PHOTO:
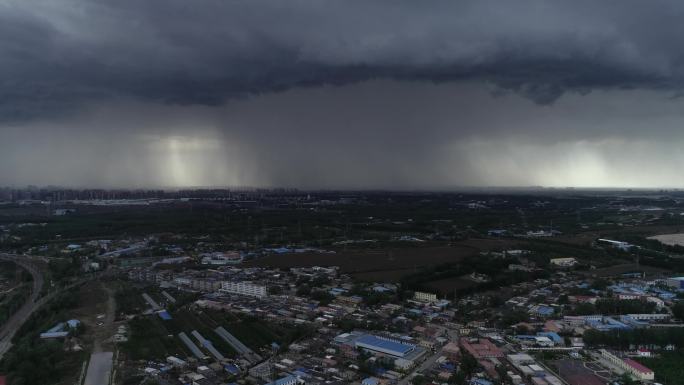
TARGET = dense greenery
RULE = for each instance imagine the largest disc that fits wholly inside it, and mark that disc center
(667, 366)
(63, 268)
(35, 361)
(269, 220)
(149, 339)
(624, 339)
(13, 302)
(129, 300)
(495, 268)
(678, 310)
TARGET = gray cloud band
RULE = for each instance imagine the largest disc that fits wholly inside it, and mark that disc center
(55, 55)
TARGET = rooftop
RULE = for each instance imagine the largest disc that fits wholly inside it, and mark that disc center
(639, 367)
(386, 345)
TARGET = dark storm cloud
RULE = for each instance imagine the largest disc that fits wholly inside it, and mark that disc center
(341, 94)
(377, 134)
(57, 54)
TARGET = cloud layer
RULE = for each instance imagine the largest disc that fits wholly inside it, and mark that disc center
(380, 134)
(56, 54)
(331, 94)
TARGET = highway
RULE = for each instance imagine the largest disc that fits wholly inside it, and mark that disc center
(9, 329)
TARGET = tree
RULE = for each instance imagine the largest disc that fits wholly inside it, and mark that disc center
(503, 375)
(600, 284)
(584, 308)
(678, 310)
(626, 379)
(275, 290)
(303, 290)
(468, 364)
(522, 329)
(322, 296)
(458, 378)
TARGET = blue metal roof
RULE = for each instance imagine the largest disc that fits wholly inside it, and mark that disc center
(230, 368)
(546, 310)
(164, 315)
(553, 336)
(383, 344)
(282, 381)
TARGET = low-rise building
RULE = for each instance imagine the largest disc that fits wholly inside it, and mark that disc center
(676, 283)
(424, 297)
(481, 348)
(636, 369)
(563, 262)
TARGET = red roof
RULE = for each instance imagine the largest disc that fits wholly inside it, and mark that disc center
(3, 380)
(637, 366)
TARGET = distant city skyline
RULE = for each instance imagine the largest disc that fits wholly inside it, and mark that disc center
(342, 95)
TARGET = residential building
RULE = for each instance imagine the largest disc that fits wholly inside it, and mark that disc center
(244, 288)
(676, 283)
(563, 262)
(481, 348)
(424, 297)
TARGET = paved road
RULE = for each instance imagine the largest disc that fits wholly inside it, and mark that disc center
(430, 361)
(99, 369)
(427, 364)
(10, 328)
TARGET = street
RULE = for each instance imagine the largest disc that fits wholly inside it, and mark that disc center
(10, 328)
(430, 361)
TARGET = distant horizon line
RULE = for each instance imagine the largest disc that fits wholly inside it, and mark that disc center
(343, 189)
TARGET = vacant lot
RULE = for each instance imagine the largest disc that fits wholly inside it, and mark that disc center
(624, 269)
(676, 239)
(575, 373)
(449, 285)
(389, 264)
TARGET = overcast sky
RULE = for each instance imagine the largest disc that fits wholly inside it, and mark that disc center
(341, 94)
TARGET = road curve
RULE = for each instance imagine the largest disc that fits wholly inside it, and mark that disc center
(9, 329)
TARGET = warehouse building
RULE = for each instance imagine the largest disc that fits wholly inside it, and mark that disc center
(402, 354)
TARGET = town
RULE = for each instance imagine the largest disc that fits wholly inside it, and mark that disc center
(269, 192)
(288, 287)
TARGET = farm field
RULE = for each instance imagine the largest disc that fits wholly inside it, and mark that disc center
(374, 264)
(448, 285)
(153, 337)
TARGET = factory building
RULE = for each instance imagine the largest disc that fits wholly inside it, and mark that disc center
(404, 355)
